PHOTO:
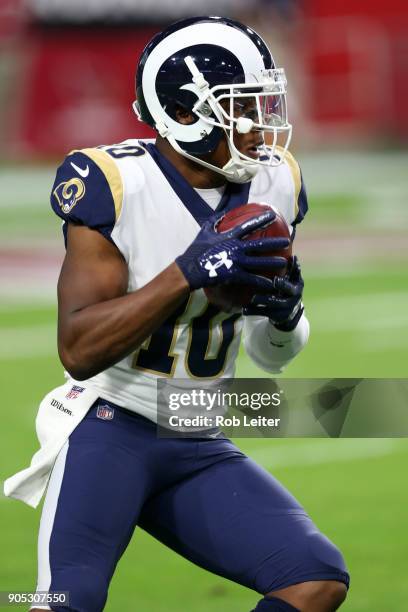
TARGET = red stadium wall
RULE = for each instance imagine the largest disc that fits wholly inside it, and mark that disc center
(73, 86)
(355, 57)
(76, 89)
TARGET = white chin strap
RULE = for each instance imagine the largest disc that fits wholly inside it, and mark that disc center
(240, 172)
(235, 170)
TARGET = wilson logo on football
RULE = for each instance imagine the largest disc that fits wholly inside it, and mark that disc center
(221, 260)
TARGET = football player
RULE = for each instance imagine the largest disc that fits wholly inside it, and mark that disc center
(139, 225)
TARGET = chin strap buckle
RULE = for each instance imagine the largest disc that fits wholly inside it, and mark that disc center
(162, 128)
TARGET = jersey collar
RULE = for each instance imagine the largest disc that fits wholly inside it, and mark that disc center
(234, 195)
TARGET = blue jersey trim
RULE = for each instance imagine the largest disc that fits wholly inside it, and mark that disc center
(235, 195)
(303, 205)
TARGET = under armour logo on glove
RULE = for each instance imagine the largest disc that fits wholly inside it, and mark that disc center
(223, 260)
(214, 258)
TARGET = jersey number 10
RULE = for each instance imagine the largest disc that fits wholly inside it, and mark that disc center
(156, 354)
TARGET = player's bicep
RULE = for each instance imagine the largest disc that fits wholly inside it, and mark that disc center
(93, 271)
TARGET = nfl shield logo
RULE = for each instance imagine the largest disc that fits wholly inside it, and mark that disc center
(74, 392)
(105, 412)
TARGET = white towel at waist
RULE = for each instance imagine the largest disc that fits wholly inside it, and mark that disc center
(59, 413)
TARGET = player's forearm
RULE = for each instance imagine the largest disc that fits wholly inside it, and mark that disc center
(270, 348)
(98, 336)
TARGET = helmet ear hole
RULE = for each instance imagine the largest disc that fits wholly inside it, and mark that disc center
(184, 116)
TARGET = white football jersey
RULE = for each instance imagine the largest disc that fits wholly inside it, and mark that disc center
(137, 199)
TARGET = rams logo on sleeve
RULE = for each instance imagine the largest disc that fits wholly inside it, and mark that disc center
(69, 193)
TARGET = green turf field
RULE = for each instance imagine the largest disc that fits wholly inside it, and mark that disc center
(354, 489)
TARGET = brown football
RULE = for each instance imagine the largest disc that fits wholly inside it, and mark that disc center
(228, 297)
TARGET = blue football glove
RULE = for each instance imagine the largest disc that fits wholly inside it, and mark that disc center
(283, 305)
(216, 258)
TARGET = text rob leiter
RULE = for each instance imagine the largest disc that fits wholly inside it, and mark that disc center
(206, 421)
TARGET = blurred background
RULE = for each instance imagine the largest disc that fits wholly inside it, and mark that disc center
(67, 81)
